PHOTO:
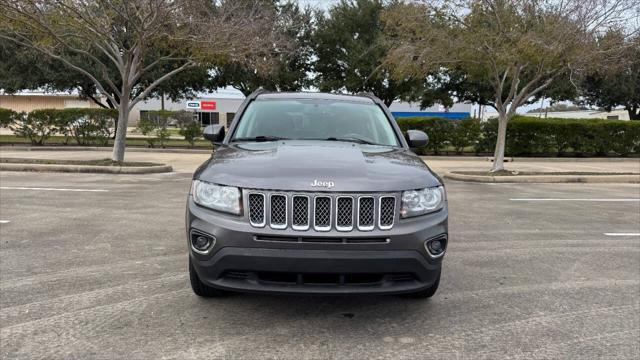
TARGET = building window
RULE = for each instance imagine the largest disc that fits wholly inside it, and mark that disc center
(230, 118)
(209, 118)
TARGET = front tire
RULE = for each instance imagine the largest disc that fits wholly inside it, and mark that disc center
(426, 293)
(200, 288)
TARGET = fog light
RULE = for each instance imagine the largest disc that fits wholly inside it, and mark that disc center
(202, 243)
(436, 247)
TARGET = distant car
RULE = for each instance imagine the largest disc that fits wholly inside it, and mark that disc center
(313, 193)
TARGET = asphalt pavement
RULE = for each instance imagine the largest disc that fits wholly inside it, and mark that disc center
(95, 267)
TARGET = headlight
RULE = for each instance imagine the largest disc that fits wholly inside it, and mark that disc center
(216, 197)
(420, 202)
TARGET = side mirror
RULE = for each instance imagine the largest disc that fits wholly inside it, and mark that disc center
(214, 133)
(416, 138)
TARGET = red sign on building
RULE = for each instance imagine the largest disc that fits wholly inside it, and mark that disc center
(207, 105)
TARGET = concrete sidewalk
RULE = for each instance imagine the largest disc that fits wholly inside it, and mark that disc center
(189, 162)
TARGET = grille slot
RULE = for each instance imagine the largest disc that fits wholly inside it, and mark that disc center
(278, 218)
(387, 212)
(366, 209)
(344, 213)
(256, 210)
(301, 211)
(322, 213)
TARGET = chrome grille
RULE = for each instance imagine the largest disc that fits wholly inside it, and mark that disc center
(278, 218)
(321, 212)
(256, 210)
(366, 214)
(387, 212)
(301, 211)
(344, 213)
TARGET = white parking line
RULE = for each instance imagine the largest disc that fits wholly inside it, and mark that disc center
(560, 199)
(622, 234)
(50, 189)
(4, 221)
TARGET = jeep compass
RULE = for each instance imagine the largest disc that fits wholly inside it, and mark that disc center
(314, 193)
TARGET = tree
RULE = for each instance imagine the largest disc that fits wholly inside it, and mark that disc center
(112, 42)
(617, 83)
(509, 50)
(351, 53)
(290, 70)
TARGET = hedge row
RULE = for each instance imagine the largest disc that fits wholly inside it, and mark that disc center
(530, 136)
(85, 126)
(94, 126)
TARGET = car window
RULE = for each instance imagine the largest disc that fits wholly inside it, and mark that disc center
(313, 119)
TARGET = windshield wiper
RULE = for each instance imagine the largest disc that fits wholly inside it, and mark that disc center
(351, 139)
(260, 138)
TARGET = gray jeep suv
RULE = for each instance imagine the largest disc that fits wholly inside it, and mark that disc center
(314, 193)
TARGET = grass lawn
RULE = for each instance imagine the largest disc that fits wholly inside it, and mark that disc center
(100, 162)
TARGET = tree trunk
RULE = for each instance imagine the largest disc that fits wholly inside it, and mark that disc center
(634, 114)
(121, 131)
(498, 155)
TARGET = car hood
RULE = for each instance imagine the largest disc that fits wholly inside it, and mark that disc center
(295, 165)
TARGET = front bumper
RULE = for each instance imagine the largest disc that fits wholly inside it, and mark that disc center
(242, 261)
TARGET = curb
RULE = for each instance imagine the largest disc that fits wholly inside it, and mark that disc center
(103, 148)
(626, 179)
(87, 168)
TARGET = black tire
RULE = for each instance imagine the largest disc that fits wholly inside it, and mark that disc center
(200, 288)
(426, 293)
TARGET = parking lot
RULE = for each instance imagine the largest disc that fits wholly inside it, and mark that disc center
(95, 266)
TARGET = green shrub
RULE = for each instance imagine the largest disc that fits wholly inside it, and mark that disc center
(464, 133)
(37, 125)
(91, 126)
(154, 124)
(189, 127)
(439, 130)
(7, 117)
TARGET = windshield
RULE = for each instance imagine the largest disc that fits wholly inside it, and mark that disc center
(315, 119)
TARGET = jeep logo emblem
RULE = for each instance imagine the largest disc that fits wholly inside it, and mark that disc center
(324, 184)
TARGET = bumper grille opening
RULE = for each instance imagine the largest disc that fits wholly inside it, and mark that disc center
(363, 278)
(289, 278)
(278, 277)
(320, 240)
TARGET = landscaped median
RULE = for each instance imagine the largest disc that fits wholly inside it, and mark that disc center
(102, 166)
(543, 177)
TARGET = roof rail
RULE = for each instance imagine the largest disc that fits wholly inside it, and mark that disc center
(257, 92)
(369, 95)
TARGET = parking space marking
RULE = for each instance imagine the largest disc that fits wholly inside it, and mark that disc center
(622, 234)
(560, 199)
(50, 189)
(4, 221)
